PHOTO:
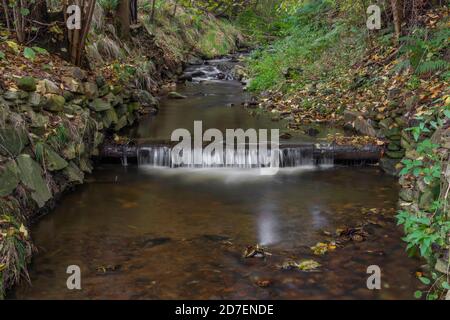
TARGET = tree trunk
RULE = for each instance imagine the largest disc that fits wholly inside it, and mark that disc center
(6, 12)
(123, 14)
(77, 37)
(134, 11)
(397, 15)
(19, 21)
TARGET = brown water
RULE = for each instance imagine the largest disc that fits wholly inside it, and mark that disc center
(148, 233)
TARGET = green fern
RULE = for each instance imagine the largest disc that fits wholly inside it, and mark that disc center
(432, 66)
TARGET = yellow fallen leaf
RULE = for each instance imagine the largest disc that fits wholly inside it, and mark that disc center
(23, 231)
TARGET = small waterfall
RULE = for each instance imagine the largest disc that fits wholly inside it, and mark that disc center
(245, 158)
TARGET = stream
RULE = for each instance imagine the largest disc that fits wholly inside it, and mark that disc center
(151, 232)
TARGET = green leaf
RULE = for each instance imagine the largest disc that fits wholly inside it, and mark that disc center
(418, 294)
(24, 11)
(447, 113)
(2, 55)
(425, 281)
(29, 54)
(445, 285)
(40, 50)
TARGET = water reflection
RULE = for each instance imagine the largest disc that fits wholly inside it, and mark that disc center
(267, 222)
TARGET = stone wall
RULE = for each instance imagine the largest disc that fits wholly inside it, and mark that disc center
(48, 135)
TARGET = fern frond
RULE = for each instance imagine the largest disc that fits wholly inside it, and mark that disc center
(432, 65)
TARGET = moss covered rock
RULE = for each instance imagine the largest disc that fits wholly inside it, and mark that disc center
(9, 178)
(30, 174)
(12, 141)
(73, 173)
(55, 103)
(110, 118)
(90, 90)
(27, 84)
(54, 161)
(99, 105)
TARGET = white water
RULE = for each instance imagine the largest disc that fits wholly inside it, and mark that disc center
(163, 157)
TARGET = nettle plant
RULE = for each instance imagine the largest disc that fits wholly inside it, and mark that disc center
(428, 231)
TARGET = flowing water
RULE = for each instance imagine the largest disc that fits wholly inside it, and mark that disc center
(155, 232)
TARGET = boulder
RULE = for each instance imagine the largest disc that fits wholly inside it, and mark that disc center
(407, 194)
(30, 174)
(364, 127)
(12, 141)
(55, 103)
(39, 122)
(11, 95)
(90, 90)
(73, 173)
(99, 105)
(35, 100)
(86, 165)
(70, 151)
(113, 99)
(46, 86)
(72, 85)
(53, 161)
(77, 73)
(146, 99)
(9, 178)
(27, 84)
(109, 118)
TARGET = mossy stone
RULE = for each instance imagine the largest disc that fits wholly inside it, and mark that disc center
(109, 118)
(54, 161)
(9, 178)
(73, 173)
(27, 84)
(55, 103)
(395, 154)
(35, 100)
(12, 141)
(90, 90)
(99, 105)
(30, 174)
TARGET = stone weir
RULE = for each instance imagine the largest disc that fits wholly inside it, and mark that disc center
(159, 154)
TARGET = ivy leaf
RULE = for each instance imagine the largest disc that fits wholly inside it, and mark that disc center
(418, 294)
(445, 285)
(447, 113)
(425, 281)
(40, 50)
(29, 54)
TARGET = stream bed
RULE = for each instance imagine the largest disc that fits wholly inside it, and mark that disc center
(143, 232)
